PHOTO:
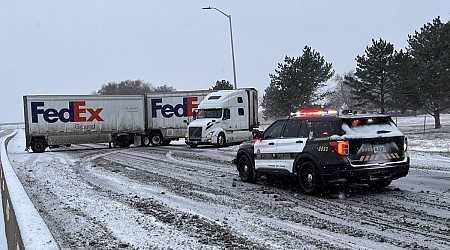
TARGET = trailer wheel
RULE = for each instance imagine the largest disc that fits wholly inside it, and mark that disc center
(38, 145)
(156, 140)
(146, 141)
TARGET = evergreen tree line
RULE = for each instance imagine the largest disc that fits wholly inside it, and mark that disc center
(385, 80)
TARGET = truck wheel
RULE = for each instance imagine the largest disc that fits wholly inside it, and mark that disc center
(156, 140)
(38, 145)
(145, 141)
(309, 178)
(193, 145)
(221, 141)
(245, 168)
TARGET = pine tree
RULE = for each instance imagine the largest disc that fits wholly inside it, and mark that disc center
(295, 83)
(405, 94)
(222, 85)
(372, 83)
(430, 51)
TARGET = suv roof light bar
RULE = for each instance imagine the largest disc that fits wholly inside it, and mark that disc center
(314, 112)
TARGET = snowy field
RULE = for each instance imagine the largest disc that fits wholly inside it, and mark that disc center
(174, 197)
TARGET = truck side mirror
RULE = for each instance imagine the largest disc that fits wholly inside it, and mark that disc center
(195, 114)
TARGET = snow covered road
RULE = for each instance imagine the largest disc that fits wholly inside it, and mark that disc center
(179, 198)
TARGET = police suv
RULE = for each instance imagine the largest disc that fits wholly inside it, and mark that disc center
(319, 148)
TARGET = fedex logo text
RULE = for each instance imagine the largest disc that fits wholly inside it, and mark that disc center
(74, 113)
(179, 110)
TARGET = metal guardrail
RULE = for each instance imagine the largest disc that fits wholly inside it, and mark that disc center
(25, 228)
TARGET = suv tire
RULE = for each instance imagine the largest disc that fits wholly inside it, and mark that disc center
(309, 178)
(245, 168)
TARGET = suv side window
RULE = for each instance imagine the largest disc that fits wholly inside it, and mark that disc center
(293, 129)
(274, 131)
(322, 129)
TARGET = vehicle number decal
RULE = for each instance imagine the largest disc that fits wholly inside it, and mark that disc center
(379, 149)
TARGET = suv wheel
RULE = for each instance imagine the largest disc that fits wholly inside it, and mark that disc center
(245, 168)
(308, 178)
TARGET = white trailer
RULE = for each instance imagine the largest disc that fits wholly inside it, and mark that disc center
(168, 115)
(226, 116)
(54, 120)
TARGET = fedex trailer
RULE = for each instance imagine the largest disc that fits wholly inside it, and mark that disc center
(52, 120)
(168, 115)
(226, 116)
(63, 120)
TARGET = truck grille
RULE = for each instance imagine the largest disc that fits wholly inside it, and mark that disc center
(195, 133)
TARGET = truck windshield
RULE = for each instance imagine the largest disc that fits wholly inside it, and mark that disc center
(209, 113)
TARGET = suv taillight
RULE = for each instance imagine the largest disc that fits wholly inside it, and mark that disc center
(341, 147)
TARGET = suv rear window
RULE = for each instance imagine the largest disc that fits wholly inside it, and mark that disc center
(370, 126)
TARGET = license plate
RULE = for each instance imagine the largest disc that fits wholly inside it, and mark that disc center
(379, 149)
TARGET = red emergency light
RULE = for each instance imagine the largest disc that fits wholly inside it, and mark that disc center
(314, 112)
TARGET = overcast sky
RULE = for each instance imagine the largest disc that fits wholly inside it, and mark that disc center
(73, 47)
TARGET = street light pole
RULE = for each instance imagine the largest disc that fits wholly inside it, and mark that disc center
(232, 44)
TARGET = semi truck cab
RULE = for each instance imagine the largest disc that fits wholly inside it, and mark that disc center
(223, 117)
